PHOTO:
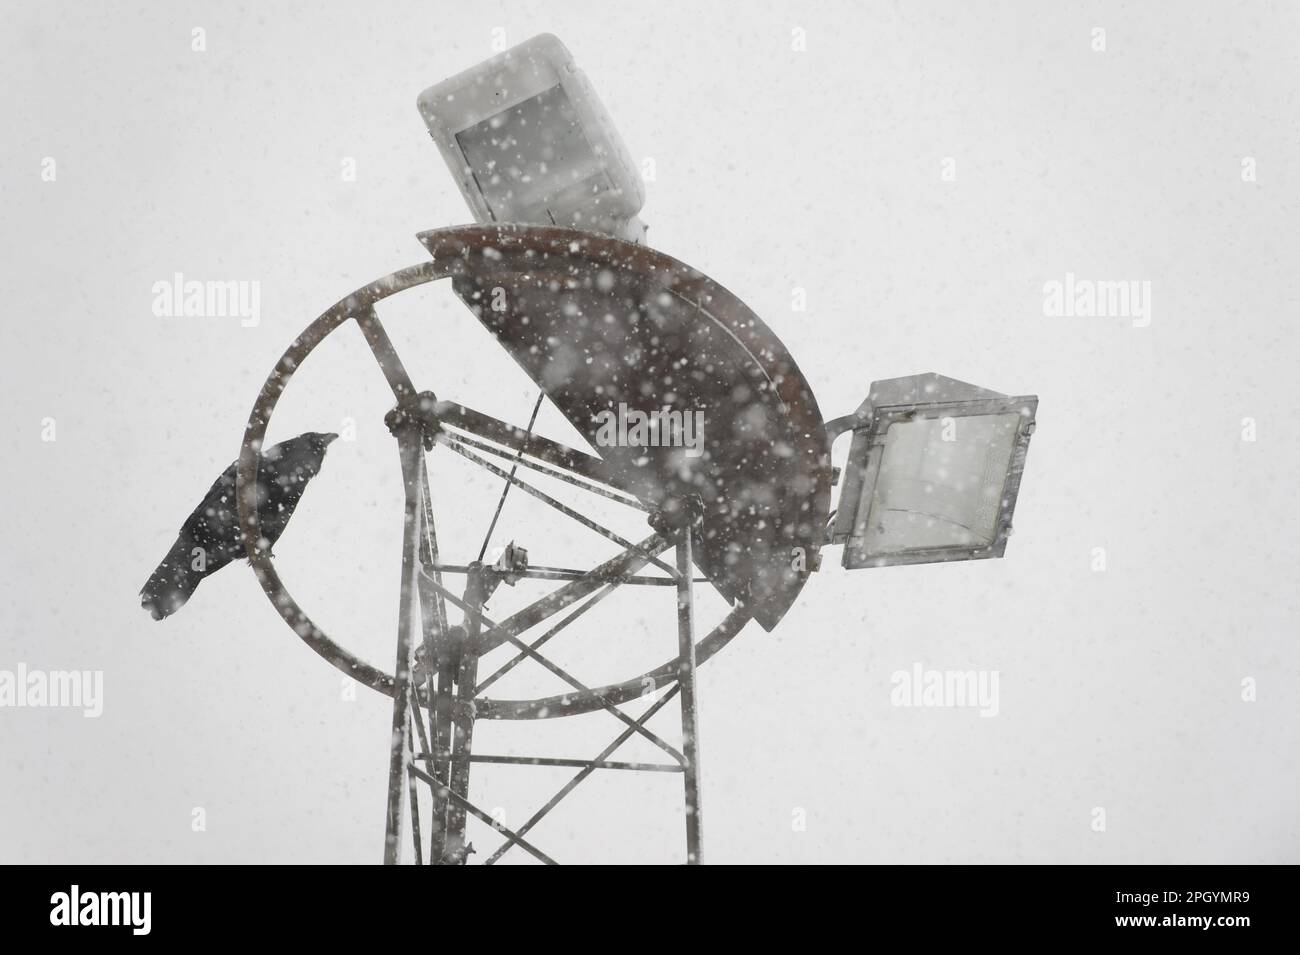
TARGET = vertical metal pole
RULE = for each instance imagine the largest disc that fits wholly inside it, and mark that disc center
(410, 447)
(690, 718)
(462, 718)
(413, 795)
(434, 614)
(442, 764)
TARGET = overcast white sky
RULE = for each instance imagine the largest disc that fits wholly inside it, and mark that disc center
(775, 169)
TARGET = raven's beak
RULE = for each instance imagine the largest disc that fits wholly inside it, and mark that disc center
(330, 437)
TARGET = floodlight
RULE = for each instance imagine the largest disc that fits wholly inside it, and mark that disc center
(529, 142)
(933, 472)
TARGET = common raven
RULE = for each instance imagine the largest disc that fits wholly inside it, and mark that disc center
(211, 537)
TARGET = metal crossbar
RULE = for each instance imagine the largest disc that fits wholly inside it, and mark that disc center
(567, 573)
(583, 774)
(473, 810)
(570, 593)
(563, 675)
(562, 761)
(564, 509)
(550, 470)
(520, 657)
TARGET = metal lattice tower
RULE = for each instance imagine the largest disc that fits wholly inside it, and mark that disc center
(716, 357)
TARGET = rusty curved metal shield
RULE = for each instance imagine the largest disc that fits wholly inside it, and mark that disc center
(619, 336)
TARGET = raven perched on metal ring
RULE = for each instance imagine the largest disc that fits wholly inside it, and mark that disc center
(211, 537)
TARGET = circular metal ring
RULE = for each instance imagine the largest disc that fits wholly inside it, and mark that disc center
(451, 250)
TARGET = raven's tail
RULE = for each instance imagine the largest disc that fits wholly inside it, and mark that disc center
(172, 583)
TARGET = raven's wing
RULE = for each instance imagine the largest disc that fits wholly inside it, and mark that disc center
(207, 541)
(211, 536)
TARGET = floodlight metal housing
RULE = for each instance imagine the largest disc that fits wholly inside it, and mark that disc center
(933, 472)
(529, 142)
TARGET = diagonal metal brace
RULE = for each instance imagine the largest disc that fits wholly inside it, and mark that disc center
(473, 810)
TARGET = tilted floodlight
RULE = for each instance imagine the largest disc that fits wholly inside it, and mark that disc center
(933, 472)
(529, 142)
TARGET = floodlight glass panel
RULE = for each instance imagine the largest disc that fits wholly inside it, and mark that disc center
(533, 162)
(940, 483)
